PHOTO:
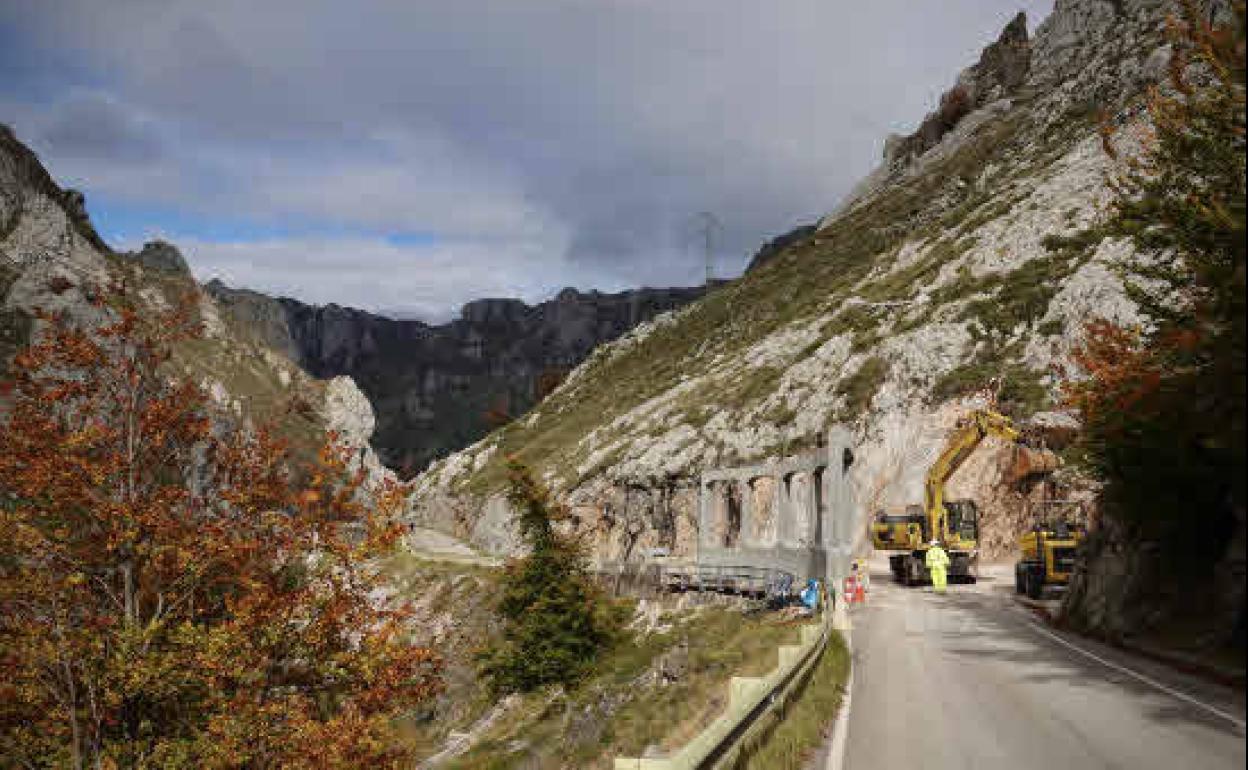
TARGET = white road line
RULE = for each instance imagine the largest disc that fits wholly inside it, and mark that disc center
(1146, 680)
(836, 753)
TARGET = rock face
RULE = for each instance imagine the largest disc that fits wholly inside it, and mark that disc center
(163, 257)
(434, 388)
(1000, 72)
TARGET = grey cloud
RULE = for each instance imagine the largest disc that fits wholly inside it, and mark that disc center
(90, 125)
(595, 128)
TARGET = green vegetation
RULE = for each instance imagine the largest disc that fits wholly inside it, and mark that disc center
(555, 621)
(10, 223)
(806, 719)
(1019, 394)
(15, 326)
(1022, 296)
(859, 388)
(754, 386)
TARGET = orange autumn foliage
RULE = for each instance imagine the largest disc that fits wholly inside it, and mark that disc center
(172, 594)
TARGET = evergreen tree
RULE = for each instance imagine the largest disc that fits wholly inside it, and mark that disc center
(556, 621)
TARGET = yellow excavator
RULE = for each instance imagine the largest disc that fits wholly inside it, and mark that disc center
(1047, 550)
(955, 523)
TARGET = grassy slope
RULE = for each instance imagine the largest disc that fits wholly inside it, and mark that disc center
(620, 710)
(247, 370)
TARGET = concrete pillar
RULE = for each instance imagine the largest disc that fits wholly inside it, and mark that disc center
(786, 511)
(706, 534)
(841, 503)
(722, 511)
(765, 510)
(745, 538)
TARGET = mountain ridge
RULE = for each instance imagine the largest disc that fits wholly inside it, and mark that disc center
(435, 387)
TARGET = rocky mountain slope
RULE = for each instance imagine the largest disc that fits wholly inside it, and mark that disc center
(51, 258)
(956, 270)
(436, 388)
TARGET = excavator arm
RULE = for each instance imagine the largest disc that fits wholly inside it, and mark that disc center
(955, 523)
(968, 436)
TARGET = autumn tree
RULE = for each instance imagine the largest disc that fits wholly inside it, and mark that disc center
(556, 621)
(1163, 406)
(172, 593)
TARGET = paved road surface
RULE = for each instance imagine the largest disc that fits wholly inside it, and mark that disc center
(968, 681)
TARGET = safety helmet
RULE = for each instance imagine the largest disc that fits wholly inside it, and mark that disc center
(935, 542)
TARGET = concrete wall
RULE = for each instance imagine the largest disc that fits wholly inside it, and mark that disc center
(795, 513)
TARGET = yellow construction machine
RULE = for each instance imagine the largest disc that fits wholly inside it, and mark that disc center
(898, 529)
(1048, 549)
(955, 523)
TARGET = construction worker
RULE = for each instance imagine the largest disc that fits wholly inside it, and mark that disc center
(937, 563)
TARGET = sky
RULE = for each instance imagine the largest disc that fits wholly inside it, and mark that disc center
(407, 156)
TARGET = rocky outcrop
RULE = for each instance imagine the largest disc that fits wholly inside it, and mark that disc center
(1086, 57)
(50, 256)
(999, 73)
(161, 256)
(1127, 589)
(436, 389)
(777, 245)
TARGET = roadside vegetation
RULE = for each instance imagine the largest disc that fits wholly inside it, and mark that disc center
(556, 622)
(175, 592)
(807, 721)
(1163, 406)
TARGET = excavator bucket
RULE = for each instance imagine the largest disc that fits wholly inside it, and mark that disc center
(1026, 461)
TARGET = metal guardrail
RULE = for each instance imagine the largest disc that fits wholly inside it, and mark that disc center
(759, 582)
(754, 705)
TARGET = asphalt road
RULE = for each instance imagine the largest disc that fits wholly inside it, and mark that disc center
(970, 680)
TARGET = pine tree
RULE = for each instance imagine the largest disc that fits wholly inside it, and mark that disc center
(556, 621)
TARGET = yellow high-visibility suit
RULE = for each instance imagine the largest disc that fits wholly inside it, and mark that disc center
(937, 563)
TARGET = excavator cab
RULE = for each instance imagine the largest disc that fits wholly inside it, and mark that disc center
(962, 521)
(955, 523)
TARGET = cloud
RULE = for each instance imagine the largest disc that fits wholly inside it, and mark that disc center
(596, 128)
(91, 125)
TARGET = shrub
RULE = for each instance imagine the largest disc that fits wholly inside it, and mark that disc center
(859, 388)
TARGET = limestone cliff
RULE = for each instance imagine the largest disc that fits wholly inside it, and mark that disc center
(434, 387)
(943, 282)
